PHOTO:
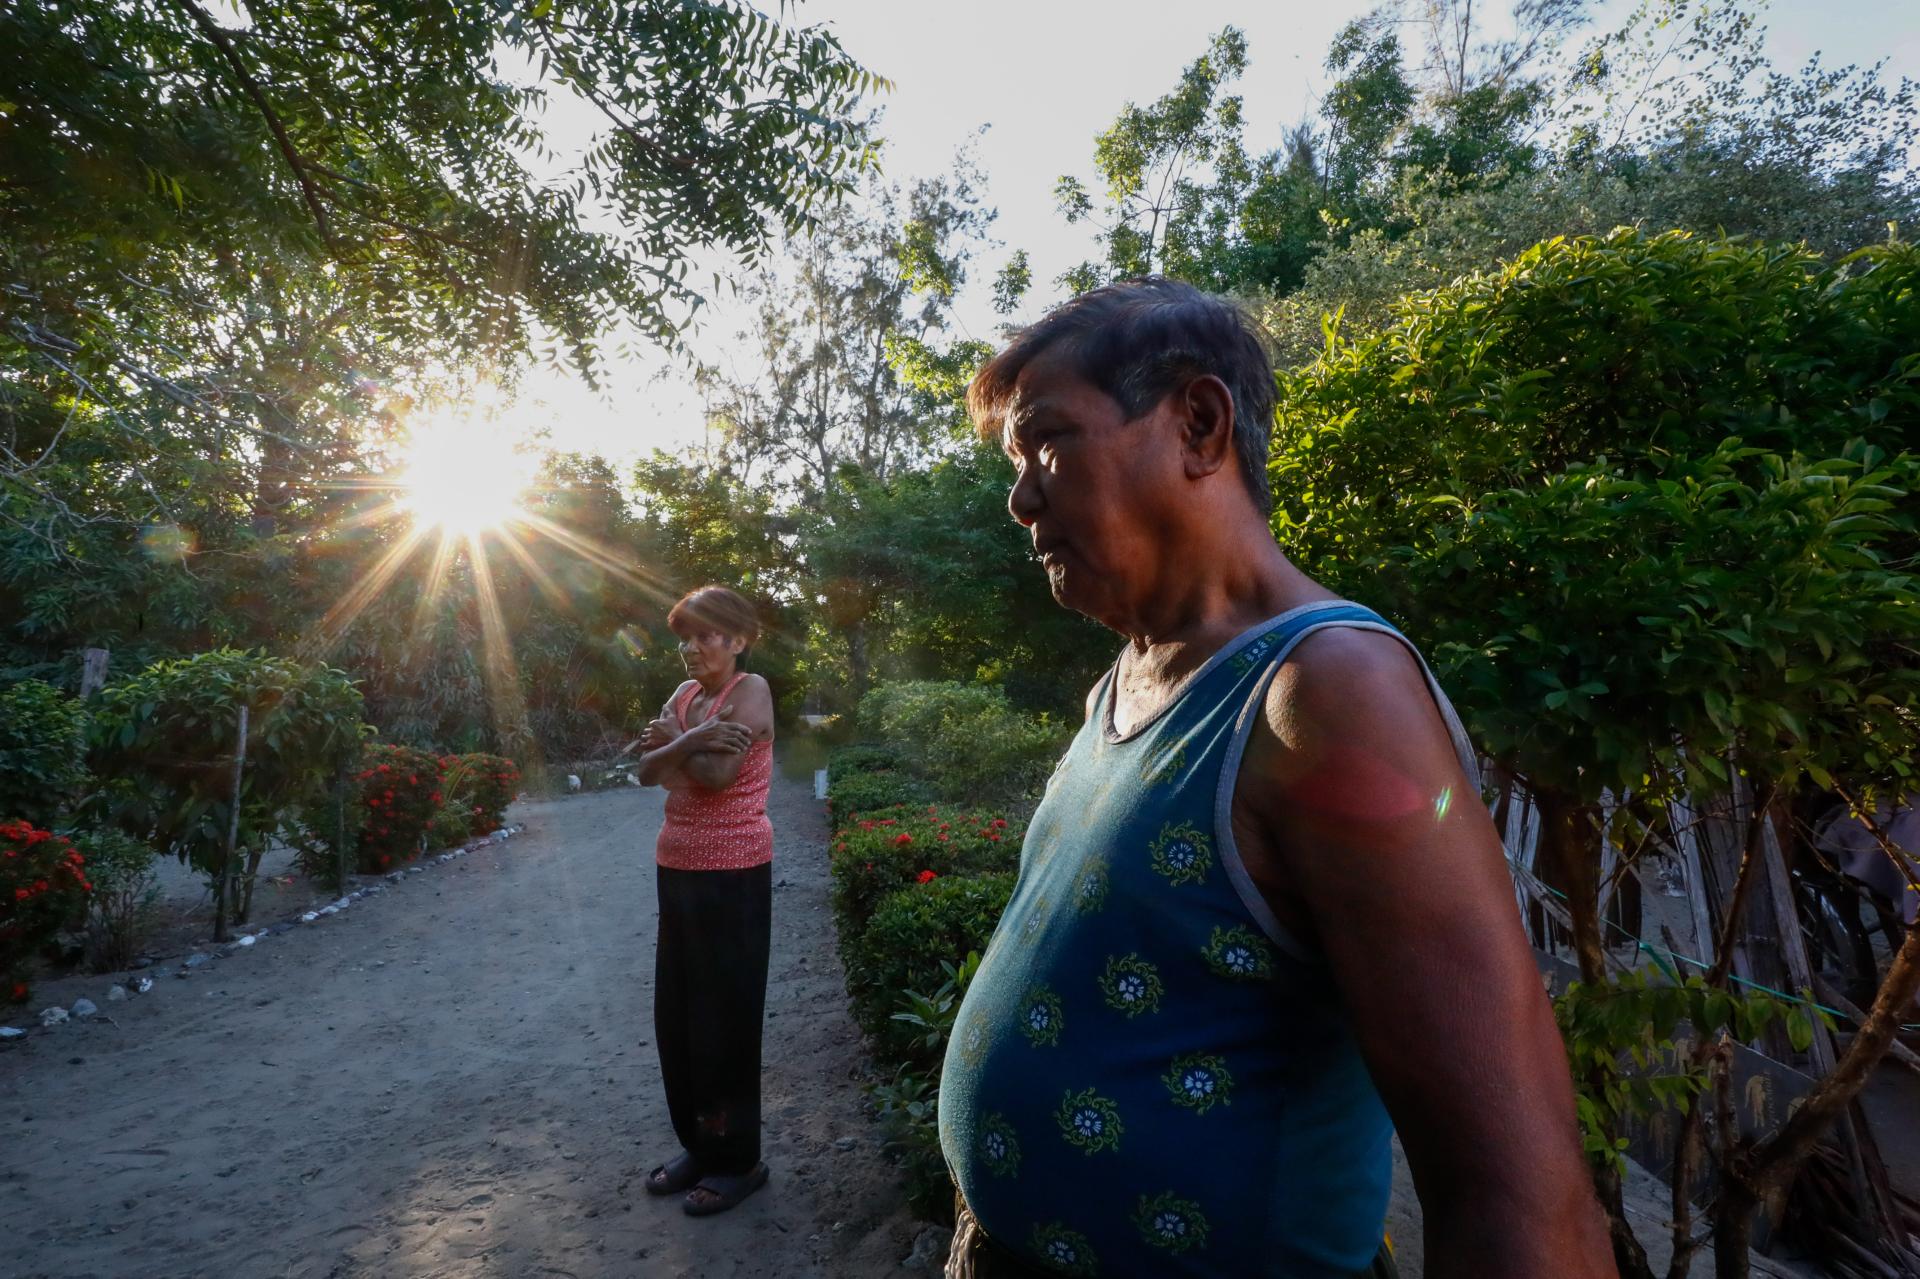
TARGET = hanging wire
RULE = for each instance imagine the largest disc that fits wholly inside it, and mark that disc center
(1660, 955)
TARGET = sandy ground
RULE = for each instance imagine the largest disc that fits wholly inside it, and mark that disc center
(453, 1078)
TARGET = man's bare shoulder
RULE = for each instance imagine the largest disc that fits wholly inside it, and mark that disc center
(1349, 725)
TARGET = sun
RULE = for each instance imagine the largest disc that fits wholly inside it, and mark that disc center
(463, 475)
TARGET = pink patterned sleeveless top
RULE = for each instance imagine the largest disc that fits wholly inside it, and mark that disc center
(724, 829)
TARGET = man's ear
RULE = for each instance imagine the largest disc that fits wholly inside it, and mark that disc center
(1206, 408)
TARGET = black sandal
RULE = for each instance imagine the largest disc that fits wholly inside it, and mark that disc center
(727, 1191)
(677, 1174)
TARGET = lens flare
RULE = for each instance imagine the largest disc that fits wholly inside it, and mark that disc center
(463, 475)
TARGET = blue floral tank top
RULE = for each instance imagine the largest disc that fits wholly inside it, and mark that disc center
(1149, 1076)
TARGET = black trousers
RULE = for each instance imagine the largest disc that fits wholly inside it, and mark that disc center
(709, 995)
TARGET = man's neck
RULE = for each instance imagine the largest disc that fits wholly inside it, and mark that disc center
(1206, 597)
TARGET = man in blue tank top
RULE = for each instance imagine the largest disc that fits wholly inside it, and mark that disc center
(1262, 919)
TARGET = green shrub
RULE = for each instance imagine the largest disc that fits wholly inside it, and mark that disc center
(43, 889)
(453, 825)
(400, 792)
(967, 740)
(43, 751)
(878, 853)
(485, 785)
(166, 738)
(863, 757)
(859, 793)
(313, 834)
(913, 932)
(120, 910)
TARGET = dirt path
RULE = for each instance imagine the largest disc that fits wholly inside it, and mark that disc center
(453, 1078)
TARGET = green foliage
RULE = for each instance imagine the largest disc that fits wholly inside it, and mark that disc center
(883, 850)
(914, 931)
(43, 751)
(453, 824)
(482, 784)
(907, 1105)
(43, 889)
(945, 584)
(166, 739)
(400, 792)
(965, 739)
(1633, 1042)
(862, 757)
(851, 795)
(1633, 496)
(125, 889)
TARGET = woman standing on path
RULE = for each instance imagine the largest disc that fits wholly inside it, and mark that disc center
(712, 748)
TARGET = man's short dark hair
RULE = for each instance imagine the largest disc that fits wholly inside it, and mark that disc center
(1138, 341)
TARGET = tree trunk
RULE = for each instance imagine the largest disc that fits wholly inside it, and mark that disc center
(245, 912)
(1773, 1164)
(1733, 1230)
(223, 888)
(1569, 844)
(858, 666)
(1629, 1258)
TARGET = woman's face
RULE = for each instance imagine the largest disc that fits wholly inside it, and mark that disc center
(710, 652)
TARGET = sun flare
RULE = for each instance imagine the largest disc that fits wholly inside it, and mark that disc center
(463, 475)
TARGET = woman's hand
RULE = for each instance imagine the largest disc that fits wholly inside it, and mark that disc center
(659, 733)
(720, 734)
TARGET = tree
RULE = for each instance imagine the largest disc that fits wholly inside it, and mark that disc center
(946, 584)
(821, 395)
(1650, 513)
(243, 244)
(1692, 130)
(209, 757)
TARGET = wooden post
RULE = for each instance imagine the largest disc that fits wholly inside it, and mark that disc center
(93, 671)
(224, 895)
(340, 850)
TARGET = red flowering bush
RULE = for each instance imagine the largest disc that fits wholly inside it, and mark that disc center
(398, 791)
(875, 853)
(43, 888)
(485, 783)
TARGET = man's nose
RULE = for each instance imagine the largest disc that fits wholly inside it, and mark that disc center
(1024, 502)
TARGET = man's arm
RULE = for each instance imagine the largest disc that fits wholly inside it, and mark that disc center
(1379, 845)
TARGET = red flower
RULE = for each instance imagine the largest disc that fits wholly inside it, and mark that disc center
(999, 823)
(946, 839)
(888, 822)
(866, 825)
(945, 826)
(994, 838)
(840, 847)
(436, 797)
(927, 877)
(869, 865)
(383, 769)
(902, 840)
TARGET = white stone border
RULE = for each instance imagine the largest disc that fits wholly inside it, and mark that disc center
(143, 979)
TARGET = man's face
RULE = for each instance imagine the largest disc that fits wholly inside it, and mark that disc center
(1090, 487)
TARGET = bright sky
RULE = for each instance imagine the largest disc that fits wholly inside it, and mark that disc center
(1045, 76)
